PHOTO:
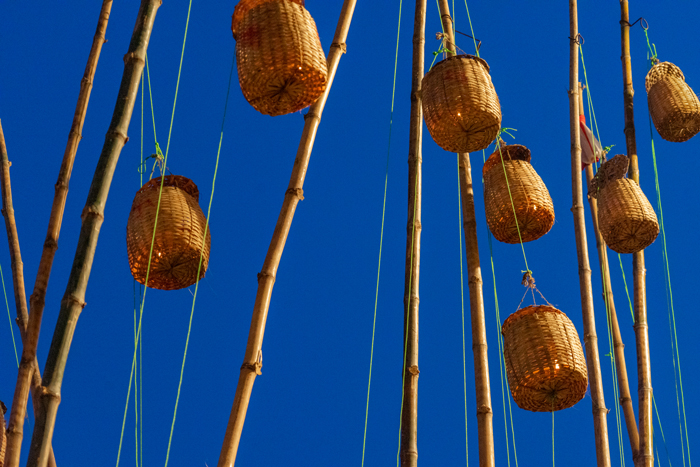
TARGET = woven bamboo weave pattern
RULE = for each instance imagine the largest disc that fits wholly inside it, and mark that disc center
(179, 234)
(3, 436)
(544, 359)
(674, 107)
(281, 64)
(628, 223)
(533, 205)
(460, 104)
(246, 5)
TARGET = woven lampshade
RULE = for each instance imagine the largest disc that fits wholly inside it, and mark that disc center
(281, 64)
(178, 238)
(460, 104)
(626, 219)
(544, 359)
(674, 107)
(533, 205)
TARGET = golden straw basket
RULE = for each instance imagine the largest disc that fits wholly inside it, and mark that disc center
(533, 205)
(178, 238)
(544, 359)
(674, 107)
(460, 104)
(281, 64)
(626, 219)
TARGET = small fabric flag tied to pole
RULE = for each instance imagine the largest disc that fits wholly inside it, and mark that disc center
(591, 150)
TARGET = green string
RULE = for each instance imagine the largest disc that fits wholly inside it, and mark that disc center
(552, 433)
(627, 290)
(501, 357)
(12, 331)
(472, 28)
(663, 438)
(381, 234)
(652, 56)
(672, 313)
(461, 286)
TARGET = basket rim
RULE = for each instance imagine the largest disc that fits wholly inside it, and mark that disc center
(177, 181)
(463, 57)
(659, 71)
(239, 13)
(511, 152)
(527, 311)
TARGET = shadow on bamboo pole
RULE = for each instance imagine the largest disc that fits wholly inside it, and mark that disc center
(252, 361)
(409, 411)
(619, 348)
(92, 217)
(600, 423)
(33, 377)
(484, 412)
(28, 373)
(641, 327)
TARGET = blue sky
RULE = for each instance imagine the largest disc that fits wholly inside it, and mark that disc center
(308, 407)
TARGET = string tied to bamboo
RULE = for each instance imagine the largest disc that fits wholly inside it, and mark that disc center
(178, 236)
(544, 358)
(627, 220)
(281, 64)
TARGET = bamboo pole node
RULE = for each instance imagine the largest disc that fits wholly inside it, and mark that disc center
(413, 369)
(263, 275)
(340, 45)
(298, 192)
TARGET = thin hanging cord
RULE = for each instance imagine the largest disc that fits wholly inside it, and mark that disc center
(381, 234)
(471, 27)
(201, 257)
(627, 290)
(661, 430)
(461, 287)
(672, 314)
(552, 434)
(12, 331)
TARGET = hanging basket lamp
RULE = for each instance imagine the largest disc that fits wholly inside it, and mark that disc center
(508, 175)
(674, 107)
(460, 104)
(178, 237)
(281, 64)
(544, 359)
(626, 219)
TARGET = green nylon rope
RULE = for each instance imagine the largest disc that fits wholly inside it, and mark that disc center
(381, 234)
(471, 27)
(672, 314)
(461, 286)
(663, 438)
(12, 331)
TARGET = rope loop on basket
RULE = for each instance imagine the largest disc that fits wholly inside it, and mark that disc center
(652, 56)
(529, 282)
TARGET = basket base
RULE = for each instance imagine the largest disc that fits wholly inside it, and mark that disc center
(552, 394)
(632, 236)
(679, 127)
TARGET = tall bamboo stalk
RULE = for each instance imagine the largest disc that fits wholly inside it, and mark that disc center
(28, 365)
(252, 361)
(14, 431)
(619, 348)
(600, 423)
(484, 412)
(409, 411)
(92, 217)
(645, 455)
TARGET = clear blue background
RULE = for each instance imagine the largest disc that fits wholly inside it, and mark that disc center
(308, 407)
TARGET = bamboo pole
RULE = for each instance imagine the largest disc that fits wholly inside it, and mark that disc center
(28, 373)
(93, 215)
(619, 348)
(484, 412)
(409, 411)
(14, 431)
(645, 455)
(252, 361)
(600, 423)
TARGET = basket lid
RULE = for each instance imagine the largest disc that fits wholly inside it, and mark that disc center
(178, 181)
(613, 169)
(512, 152)
(528, 311)
(246, 5)
(661, 71)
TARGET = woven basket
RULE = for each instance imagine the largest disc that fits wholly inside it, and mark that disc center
(281, 64)
(544, 359)
(179, 234)
(460, 104)
(674, 107)
(533, 205)
(626, 219)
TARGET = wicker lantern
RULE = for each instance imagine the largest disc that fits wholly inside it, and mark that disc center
(531, 201)
(544, 359)
(178, 237)
(460, 104)
(281, 64)
(674, 107)
(627, 221)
